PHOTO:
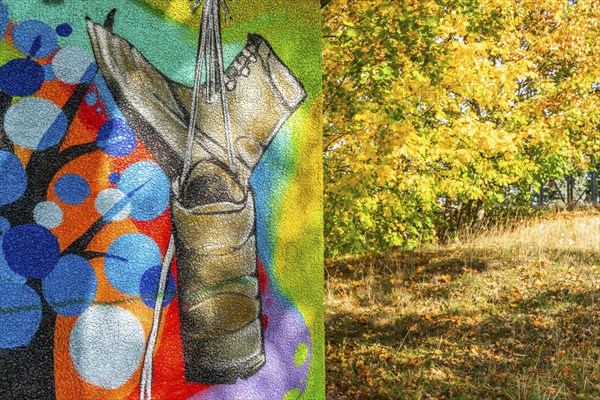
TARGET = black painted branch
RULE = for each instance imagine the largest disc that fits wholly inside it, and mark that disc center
(41, 160)
(89, 255)
(73, 152)
(43, 166)
(72, 105)
(80, 244)
(5, 143)
(30, 369)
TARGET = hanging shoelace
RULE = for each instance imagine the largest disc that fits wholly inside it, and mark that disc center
(210, 64)
(209, 61)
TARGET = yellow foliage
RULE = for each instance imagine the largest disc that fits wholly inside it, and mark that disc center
(433, 107)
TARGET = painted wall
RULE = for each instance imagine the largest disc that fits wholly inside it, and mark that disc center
(94, 117)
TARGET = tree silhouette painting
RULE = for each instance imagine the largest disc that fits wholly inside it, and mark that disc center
(58, 191)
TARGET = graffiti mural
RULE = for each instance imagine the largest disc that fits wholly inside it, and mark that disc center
(160, 200)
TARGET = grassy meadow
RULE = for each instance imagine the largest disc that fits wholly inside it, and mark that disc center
(504, 314)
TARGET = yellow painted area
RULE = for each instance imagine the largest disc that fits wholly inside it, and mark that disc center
(298, 257)
(242, 11)
(176, 10)
(8, 52)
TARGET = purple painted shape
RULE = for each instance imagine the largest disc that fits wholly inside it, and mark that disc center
(285, 331)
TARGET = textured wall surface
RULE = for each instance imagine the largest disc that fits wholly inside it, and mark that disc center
(105, 199)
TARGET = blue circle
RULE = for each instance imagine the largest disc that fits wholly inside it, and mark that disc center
(45, 130)
(116, 138)
(64, 30)
(71, 287)
(148, 188)
(30, 250)
(4, 226)
(21, 77)
(4, 19)
(91, 98)
(149, 287)
(114, 178)
(49, 74)
(7, 275)
(127, 259)
(13, 178)
(20, 315)
(35, 39)
(72, 189)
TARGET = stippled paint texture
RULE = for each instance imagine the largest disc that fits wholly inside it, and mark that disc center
(160, 200)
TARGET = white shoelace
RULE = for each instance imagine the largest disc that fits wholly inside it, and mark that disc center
(209, 60)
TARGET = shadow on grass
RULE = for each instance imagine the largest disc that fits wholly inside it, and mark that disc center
(520, 320)
(421, 265)
(549, 338)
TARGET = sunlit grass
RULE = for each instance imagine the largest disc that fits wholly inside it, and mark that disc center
(507, 314)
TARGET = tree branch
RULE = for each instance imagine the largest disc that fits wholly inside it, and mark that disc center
(73, 152)
(5, 142)
(80, 244)
(89, 255)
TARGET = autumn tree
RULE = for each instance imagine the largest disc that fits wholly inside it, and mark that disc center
(436, 111)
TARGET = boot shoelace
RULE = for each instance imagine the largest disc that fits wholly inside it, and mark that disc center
(209, 60)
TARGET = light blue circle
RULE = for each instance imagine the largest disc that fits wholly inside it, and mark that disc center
(127, 259)
(48, 214)
(71, 287)
(106, 345)
(4, 19)
(13, 179)
(20, 315)
(113, 205)
(35, 39)
(45, 130)
(148, 188)
(72, 64)
(72, 189)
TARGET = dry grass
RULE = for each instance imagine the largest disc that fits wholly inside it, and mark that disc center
(503, 315)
